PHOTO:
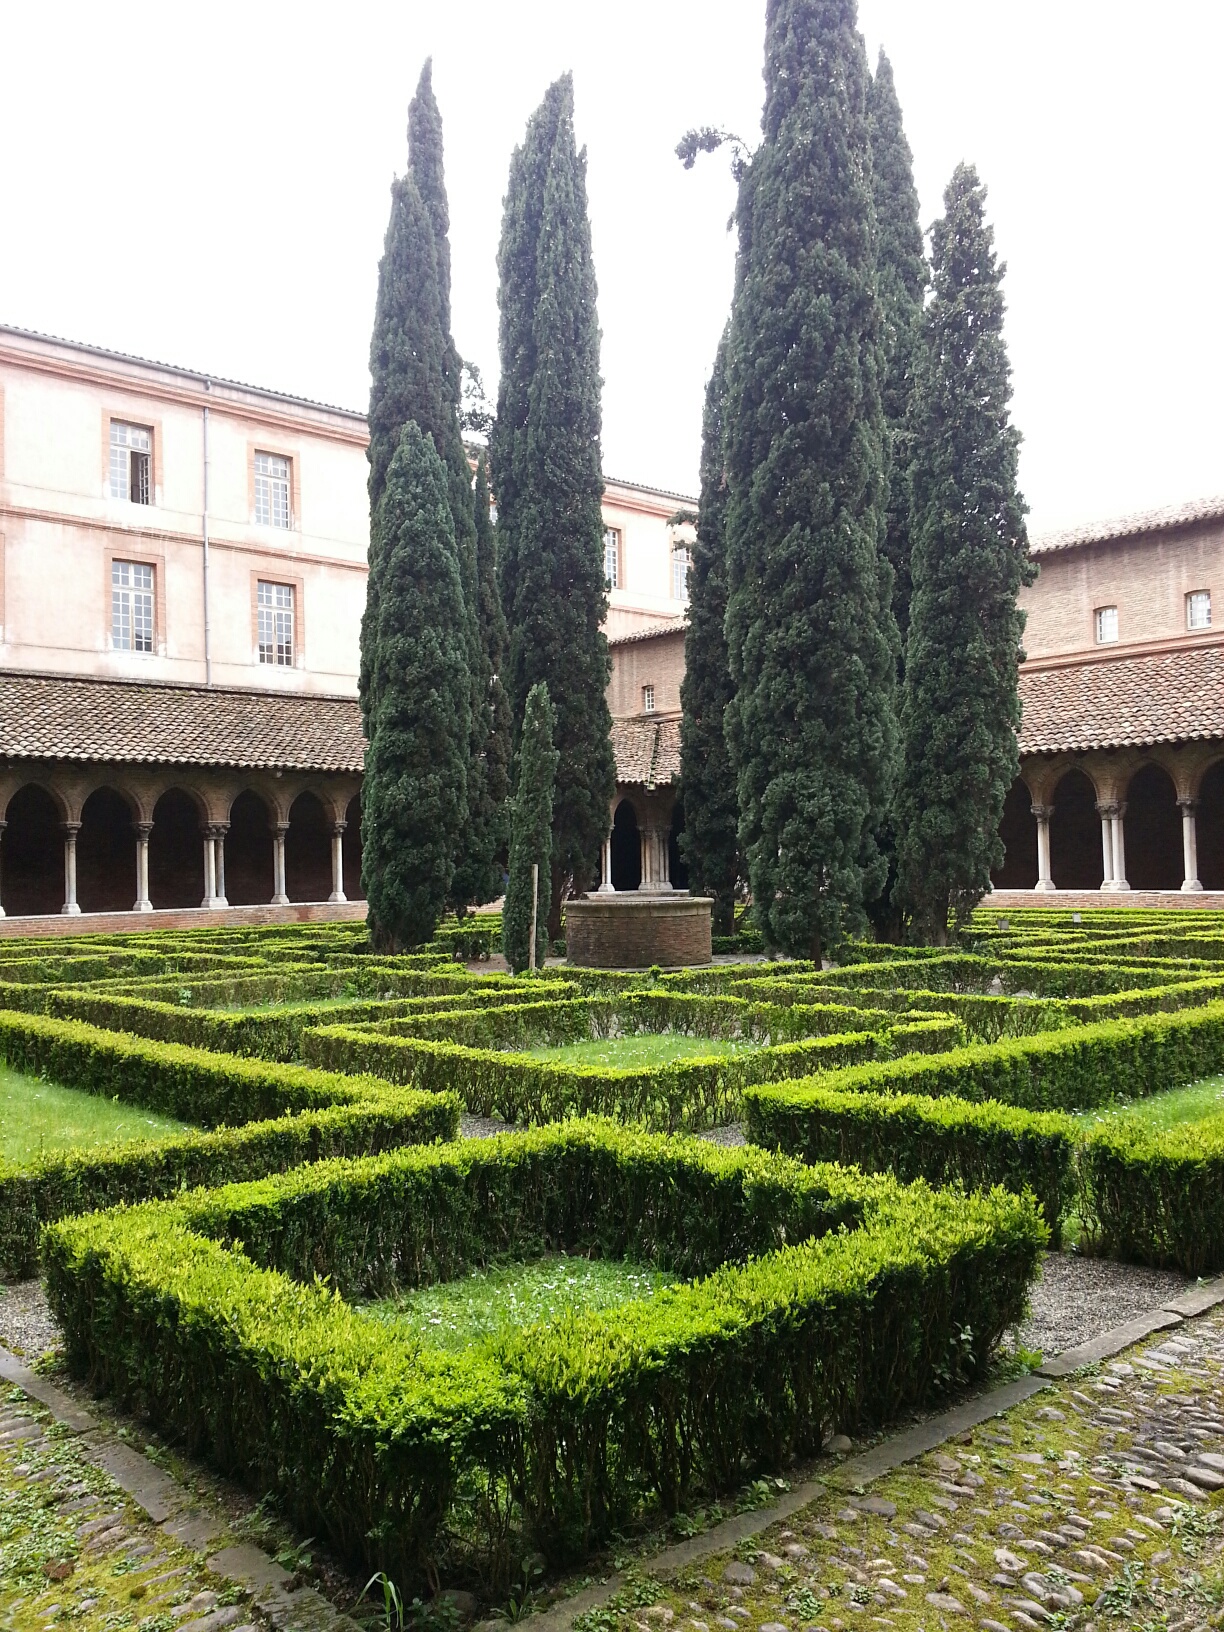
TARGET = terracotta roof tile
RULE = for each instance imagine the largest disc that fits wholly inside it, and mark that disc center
(1165, 696)
(647, 750)
(648, 631)
(1141, 521)
(47, 716)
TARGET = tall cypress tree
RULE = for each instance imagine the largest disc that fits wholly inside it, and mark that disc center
(531, 836)
(810, 632)
(547, 474)
(414, 792)
(492, 813)
(961, 709)
(709, 842)
(900, 279)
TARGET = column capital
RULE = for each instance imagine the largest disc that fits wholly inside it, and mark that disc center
(1188, 806)
(1109, 808)
(143, 829)
(279, 829)
(70, 829)
(339, 825)
(1042, 812)
(216, 830)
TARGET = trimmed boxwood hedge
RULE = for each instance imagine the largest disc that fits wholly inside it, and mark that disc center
(1156, 1196)
(416, 1462)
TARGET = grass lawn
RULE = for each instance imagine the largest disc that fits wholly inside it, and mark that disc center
(641, 1048)
(1194, 1103)
(38, 1116)
(455, 1315)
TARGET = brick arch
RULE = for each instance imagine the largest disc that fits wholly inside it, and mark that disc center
(106, 850)
(626, 846)
(308, 849)
(176, 848)
(1153, 829)
(1076, 860)
(32, 872)
(249, 878)
(1018, 831)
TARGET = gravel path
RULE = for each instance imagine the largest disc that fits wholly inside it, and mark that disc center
(481, 1127)
(1078, 1297)
(27, 1326)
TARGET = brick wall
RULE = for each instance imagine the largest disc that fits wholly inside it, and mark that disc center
(631, 931)
(657, 661)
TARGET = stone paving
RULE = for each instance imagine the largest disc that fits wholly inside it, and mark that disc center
(1094, 1505)
(75, 1551)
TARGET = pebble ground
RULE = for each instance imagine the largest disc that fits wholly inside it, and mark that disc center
(1096, 1506)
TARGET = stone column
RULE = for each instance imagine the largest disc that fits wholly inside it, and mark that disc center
(218, 833)
(337, 836)
(1043, 814)
(1119, 847)
(3, 825)
(1191, 883)
(1106, 812)
(70, 831)
(143, 904)
(605, 867)
(210, 870)
(647, 858)
(279, 898)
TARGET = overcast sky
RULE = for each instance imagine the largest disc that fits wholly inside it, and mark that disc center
(208, 186)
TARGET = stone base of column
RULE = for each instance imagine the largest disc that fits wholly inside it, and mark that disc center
(72, 908)
(143, 906)
(279, 901)
(1044, 886)
(337, 895)
(1191, 887)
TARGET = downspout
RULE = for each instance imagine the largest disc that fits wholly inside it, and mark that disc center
(207, 622)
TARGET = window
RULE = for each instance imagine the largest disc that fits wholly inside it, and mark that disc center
(1106, 624)
(612, 557)
(131, 454)
(1198, 609)
(131, 606)
(271, 490)
(681, 562)
(274, 603)
(648, 700)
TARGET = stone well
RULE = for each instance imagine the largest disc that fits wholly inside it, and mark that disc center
(630, 929)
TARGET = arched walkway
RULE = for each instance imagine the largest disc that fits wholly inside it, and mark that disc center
(353, 886)
(626, 848)
(1210, 828)
(1153, 831)
(176, 852)
(1076, 862)
(32, 859)
(106, 854)
(1018, 830)
(677, 871)
(308, 851)
(249, 878)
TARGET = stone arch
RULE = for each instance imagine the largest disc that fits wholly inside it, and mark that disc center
(354, 888)
(1209, 823)
(106, 852)
(308, 850)
(1018, 831)
(249, 873)
(1076, 860)
(1153, 830)
(32, 872)
(176, 850)
(626, 847)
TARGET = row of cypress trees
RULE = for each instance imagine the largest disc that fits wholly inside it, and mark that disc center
(850, 699)
(470, 630)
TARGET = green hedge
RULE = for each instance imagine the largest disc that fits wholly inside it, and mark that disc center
(78, 1181)
(416, 1462)
(1156, 1196)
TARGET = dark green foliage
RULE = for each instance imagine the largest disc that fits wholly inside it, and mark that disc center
(1154, 1197)
(546, 471)
(810, 631)
(961, 706)
(414, 793)
(901, 277)
(651, 1402)
(531, 835)
(709, 843)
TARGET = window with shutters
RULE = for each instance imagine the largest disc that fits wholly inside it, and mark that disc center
(274, 605)
(612, 560)
(131, 606)
(271, 490)
(131, 459)
(681, 562)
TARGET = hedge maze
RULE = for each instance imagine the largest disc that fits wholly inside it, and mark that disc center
(919, 1125)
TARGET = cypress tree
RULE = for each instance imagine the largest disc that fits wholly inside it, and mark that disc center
(901, 277)
(414, 792)
(709, 841)
(961, 707)
(810, 632)
(531, 833)
(490, 815)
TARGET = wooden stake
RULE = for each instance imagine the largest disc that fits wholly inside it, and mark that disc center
(535, 903)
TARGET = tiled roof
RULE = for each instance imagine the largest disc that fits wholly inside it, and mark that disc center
(1142, 521)
(648, 631)
(1166, 696)
(47, 716)
(659, 492)
(647, 750)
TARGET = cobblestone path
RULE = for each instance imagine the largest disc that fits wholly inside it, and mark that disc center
(76, 1552)
(1095, 1505)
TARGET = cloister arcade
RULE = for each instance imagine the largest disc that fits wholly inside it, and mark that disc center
(642, 850)
(1150, 819)
(114, 838)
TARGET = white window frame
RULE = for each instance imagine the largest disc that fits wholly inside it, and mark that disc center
(273, 491)
(612, 557)
(1105, 625)
(133, 607)
(1198, 600)
(275, 623)
(682, 564)
(131, 462)
(648, 698)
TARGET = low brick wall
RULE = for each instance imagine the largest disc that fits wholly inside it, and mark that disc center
(628, 930)
(117, 923)
(1078, 900)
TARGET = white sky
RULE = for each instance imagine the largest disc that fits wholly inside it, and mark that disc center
(208, 186)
